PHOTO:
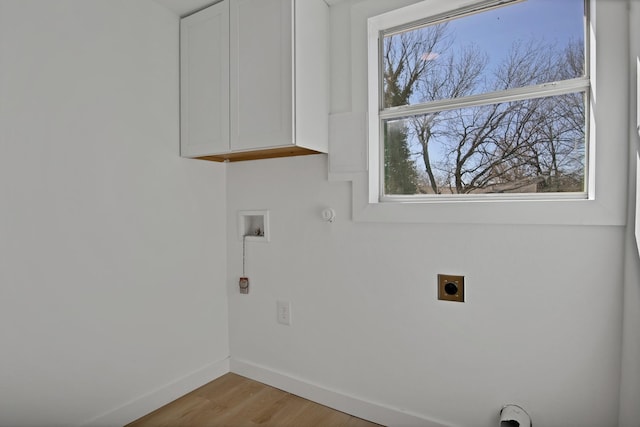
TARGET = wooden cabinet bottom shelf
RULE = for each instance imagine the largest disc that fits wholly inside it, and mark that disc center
(260, 154)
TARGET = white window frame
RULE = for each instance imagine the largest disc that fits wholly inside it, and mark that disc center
(606, 198)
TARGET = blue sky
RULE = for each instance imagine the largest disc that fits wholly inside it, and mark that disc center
(494, 31)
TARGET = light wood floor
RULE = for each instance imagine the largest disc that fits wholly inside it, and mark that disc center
(235, 401)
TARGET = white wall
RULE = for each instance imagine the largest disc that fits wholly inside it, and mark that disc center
(541, 326)
(630, 378)
(112, 247)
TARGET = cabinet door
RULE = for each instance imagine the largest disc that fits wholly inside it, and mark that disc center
(261, 73)
(204, 81)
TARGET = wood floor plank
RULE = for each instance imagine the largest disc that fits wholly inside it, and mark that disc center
(359, 422)
(314, 414)
(220, 386)
(174, 413)
(243, 414)
(277, 414)
(236, 401)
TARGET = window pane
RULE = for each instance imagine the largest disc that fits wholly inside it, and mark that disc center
(530, 146)
(523, 44)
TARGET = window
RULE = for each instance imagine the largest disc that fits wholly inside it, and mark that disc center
(485, 101)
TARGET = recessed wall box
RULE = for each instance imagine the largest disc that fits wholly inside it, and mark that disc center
(450, 288)
(253, 225)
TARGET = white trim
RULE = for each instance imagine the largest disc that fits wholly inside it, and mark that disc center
(475, 7)
(531, 197)
(154, 399)
(487, 98)
(373, 86)
(638, 95)
(361, 408)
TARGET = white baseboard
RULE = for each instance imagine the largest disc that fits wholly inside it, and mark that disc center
(360, 408)
(154, 399)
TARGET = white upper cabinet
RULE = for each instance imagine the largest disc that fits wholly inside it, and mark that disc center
(261, 73)
(277, 87)
(204, 81)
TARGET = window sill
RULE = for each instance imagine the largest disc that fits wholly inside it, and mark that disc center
(486, 212)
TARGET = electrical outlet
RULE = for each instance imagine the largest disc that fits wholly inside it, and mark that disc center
(284, 312)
